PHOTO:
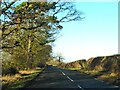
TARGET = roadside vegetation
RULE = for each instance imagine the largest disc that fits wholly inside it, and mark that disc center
(106, 68)
(20, 79)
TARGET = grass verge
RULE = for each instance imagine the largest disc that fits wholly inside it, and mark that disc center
(19, 80)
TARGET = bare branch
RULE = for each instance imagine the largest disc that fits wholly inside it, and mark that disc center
(7, 7)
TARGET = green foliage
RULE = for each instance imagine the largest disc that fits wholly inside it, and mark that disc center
(29, 28)
(8, 68)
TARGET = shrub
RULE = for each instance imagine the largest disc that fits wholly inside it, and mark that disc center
(10, 70)
(41, 65)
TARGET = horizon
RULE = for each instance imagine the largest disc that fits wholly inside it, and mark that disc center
(92, 57)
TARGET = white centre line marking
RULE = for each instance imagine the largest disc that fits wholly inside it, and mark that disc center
(70, 78)
(80, 87)
(63, 73)
(116, 86)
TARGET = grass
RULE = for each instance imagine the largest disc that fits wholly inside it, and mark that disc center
(93, 72)
(73, 68)
(29, 71)
(10, 78)
(110, 78)
(19, 80)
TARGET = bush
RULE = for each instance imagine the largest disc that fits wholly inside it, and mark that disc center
(10, 70)
(41, 65)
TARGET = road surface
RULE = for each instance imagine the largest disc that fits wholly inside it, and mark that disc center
(53, 77)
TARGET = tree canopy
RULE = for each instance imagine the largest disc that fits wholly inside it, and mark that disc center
(28, 28)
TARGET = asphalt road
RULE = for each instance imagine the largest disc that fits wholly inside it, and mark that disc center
(53, 77)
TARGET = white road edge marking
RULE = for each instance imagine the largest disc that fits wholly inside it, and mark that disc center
(80, 87)
(70, 78)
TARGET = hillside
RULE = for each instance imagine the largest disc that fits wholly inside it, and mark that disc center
(81, 64)
(109, 64)
(106, 63)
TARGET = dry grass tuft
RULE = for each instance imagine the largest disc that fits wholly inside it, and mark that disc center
(28, 71)
(13, 78)
(104, 76)
(113, 74)
(10, 78)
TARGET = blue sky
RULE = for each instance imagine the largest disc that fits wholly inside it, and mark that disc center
(96, 35)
